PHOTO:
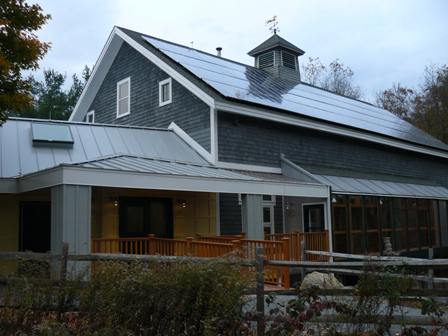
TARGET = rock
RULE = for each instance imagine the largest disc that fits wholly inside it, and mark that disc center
(320, 280)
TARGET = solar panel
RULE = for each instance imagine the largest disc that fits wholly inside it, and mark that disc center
(51, 134)
(249, 84)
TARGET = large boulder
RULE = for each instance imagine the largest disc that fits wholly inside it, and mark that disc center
(320, 280)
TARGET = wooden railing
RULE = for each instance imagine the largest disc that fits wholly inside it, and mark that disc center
(286, 246)
(161, 246)
(313, 241)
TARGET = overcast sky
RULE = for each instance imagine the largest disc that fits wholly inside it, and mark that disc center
(383, 41)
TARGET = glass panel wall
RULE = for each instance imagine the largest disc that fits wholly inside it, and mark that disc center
(360, 223)
(340, 224)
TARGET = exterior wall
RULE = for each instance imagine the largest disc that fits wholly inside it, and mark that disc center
(10, 216)
(294, 214)
(230, 215)
(186, 110)
(198, 217)
(254, 141)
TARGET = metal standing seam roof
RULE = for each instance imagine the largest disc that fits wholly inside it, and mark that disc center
(249, 84)
(350, 185)
(154, 166)
(18, 156)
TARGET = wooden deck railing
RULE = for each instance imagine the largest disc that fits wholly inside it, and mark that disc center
(161, 246)
(314, 241)
(276, 247)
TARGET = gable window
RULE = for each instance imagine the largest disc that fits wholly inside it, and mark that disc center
(90, 117)
(165, 92)
(124, 97)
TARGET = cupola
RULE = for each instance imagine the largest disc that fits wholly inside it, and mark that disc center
(278, 57)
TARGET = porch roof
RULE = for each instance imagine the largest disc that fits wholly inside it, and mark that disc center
(364, 186)
(130, 171)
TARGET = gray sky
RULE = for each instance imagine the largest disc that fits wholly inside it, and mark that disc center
(383, 41)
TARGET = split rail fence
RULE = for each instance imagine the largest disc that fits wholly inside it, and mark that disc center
(261, 265)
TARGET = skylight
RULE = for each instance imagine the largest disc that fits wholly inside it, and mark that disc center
(51, 134)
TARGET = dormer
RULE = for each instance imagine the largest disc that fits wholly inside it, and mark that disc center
(278, 57)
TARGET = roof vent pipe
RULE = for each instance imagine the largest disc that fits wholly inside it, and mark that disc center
(218, 51)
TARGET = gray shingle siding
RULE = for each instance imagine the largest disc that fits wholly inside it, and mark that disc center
(187, 111)
(254, 141)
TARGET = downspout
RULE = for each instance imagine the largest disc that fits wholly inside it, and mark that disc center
(328, 223)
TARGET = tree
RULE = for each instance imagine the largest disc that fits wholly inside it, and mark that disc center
(20, 50)
(431, 105)
(426, 107)
(50, 100)
(335, 77)
(399, 100)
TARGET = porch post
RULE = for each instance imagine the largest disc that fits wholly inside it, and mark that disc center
(70, 218)
(252, 216)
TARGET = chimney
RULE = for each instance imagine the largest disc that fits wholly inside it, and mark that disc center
(218, 51)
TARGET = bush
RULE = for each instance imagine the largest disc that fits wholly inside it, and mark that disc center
(131, 299)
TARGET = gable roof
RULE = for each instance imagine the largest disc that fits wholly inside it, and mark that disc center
(236, 87)
(18, 155)
(273, 42)
(247, 84)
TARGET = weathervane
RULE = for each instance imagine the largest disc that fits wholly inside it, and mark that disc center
(273, 25)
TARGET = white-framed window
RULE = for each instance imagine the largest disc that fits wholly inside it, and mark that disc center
(165, 92)
(124, 97)
(90, 117)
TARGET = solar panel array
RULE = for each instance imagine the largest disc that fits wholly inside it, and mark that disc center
(247, 83)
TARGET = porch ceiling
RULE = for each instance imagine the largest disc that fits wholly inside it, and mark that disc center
(128, 171)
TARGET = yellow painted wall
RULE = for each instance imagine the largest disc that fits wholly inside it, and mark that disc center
(199, 216)
(10, 216)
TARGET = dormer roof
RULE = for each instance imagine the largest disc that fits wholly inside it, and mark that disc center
(275, 41)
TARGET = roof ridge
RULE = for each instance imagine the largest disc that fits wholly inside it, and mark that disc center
(135, 156)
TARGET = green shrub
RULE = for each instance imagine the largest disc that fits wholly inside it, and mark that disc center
(129, 299)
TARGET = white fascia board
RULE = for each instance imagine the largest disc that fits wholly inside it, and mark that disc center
(191, 142)
(299, 121)
(95, 80)
(248, 167)
(139, 180)
(214, 135)
(8, 186)
(40, 180)
(168, 69)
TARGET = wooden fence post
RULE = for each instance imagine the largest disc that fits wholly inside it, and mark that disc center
(237, 246)
(286, 256)
(302, 256)
(189, 246)
(430, 271)
(259, 267)
(151, 244)
(63, 270)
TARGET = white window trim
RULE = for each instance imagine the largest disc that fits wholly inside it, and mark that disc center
(265, 203)
(90, 113)
(271, 223)
(161, 84)
(128, 80)
(272, 201)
